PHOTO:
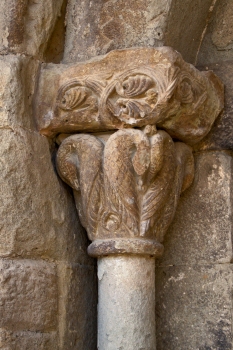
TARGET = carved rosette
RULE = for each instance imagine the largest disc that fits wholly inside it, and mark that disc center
(126, 190)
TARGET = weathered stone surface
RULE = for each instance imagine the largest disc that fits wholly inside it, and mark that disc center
(126, 305)
(95, 28)
(202, 230)
(186, 23)
(25, 26)
(194, 307)
(217, 43)
(122, 194)
(78, 306)
(28, 295)
(55, 46)
(18, 78)
(129, 88)
(27, 340)
(38, 216)
(221, 134)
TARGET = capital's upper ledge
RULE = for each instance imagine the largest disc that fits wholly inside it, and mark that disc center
(129, 88)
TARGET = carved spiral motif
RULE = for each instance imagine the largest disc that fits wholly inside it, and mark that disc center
(134, 86)
(73, 98)
(184, 92)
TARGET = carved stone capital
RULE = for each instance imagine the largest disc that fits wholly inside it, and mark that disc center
(126, 184)
(126, 188)
(129, 88)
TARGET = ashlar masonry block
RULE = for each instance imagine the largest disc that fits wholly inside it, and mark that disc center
(28, 295)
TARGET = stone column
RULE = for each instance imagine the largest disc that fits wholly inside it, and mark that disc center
(127, 182)
(129, 188)
(126, 306)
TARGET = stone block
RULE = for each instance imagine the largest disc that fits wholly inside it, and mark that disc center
(78, 306)
(28, 295)
(25, 26)
(191, 14)
(97, 28)
(38, 213)
(221, 134)
(201, 231)
(194, 307)
(217, 43)
(18, 76)
(27, 340)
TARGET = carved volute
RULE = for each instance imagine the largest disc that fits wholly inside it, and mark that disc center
(126, 183)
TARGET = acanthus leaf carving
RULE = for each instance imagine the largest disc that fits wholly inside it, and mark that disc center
(129, 187)
(79, 165)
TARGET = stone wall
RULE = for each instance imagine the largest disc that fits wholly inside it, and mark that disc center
(47, 282)
(194, 277)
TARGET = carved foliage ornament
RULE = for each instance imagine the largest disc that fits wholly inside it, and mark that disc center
(126, 184)
(128, 187)
(131, 88)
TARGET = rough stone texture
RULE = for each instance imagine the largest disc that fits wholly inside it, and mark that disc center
(95, 28)
(55, 46)
(194, 277)
(221, 134)
(126, 303)
(98, 27)
(78, 303)
(17, 85)
(185, 26)
(28, 295)
(34, 224)
(217, 44)
(38, 222)
(216, 53)
(28, 340)
(194, 307)
(26, 25)
(197, 238)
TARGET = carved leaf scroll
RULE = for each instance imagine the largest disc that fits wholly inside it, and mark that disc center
(130, 88)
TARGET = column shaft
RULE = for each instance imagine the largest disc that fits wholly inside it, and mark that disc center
(126, 308)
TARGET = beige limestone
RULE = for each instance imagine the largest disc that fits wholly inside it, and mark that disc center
(198, 238)
(26, 340)
(17, 85)
(38, 221)
(217, 43)
(126, 303)
(129, 88)
(78, 306)
(96, 27)
(124, 195)
(194, 276)
(126, 184)
(28, 294)
(35, 225)
(25, 26)
(194, 307)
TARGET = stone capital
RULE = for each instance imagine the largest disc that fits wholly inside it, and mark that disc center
(126, 187)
